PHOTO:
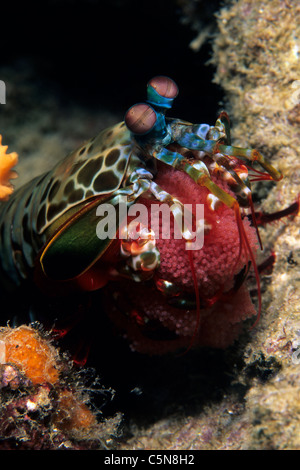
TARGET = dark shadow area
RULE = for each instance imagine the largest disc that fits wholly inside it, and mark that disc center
(147, 388)
(101, 54)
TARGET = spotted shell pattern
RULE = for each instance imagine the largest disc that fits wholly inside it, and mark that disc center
(37, 209)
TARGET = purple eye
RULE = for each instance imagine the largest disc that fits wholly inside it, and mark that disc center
(164, 86)
(140, 118)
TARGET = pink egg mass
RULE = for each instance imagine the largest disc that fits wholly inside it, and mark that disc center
(156, 323)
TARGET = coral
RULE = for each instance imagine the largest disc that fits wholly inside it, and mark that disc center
(256, 55)
(41, 401)
(7, 161)
(257, 60)
(273, 412)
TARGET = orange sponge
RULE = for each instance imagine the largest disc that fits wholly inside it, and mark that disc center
(34, 355)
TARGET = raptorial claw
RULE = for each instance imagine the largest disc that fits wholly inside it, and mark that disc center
(139, 248)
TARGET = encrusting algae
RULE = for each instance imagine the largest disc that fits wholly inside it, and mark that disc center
(256, 55)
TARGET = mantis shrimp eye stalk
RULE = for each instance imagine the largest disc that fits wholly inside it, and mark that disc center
(161, 92)
(140, 119)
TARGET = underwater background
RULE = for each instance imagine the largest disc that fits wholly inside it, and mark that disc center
(72, 68)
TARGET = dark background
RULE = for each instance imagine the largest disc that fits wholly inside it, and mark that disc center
(101, 53)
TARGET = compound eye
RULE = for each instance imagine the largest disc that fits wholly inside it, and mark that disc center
(164, 86)
(140, 118)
